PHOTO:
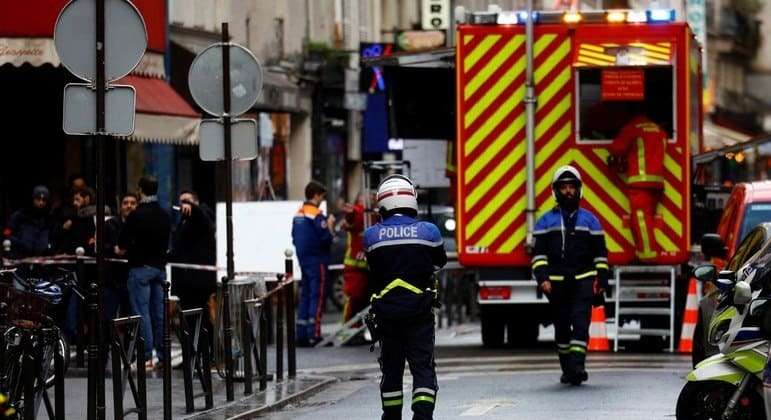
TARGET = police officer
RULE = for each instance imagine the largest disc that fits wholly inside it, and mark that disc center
(403, 255)
(570, 255)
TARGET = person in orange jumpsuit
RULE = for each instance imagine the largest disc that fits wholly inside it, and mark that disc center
(641, 143)
(355, 271)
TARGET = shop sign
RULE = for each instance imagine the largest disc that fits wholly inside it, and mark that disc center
(35, 51)
(623, 85)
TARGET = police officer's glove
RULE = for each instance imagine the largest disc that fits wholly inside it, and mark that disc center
(371, 321)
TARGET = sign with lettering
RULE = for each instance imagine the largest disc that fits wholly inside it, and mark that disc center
(436, 14)
(35, 51)
(623, 85)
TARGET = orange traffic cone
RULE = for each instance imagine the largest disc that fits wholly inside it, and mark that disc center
(689, 319)
(598, 336)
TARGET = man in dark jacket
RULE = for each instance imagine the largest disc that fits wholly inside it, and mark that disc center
(145, 237)
(83, 226)
(571, 267)
(31, 229)
(116, 298)
(193, 243)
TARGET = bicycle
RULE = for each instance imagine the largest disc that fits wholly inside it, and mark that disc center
(31, 339)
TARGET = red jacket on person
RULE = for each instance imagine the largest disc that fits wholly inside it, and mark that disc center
(643, 143)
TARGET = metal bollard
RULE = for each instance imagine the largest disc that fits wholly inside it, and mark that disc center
(188, 363)
(206, 369)
(279, 335)
(30, 365)
(246, 337)
(263, 333)
(117, 376)
(290, 315)
(227, 338)
(58, 379)
(93, 351)
(166, 353)
(81, 340)
(141, 378)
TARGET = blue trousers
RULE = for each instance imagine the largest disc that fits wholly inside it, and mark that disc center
(311, 307)
(145, 286)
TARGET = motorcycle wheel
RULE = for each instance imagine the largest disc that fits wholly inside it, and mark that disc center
(705, 400)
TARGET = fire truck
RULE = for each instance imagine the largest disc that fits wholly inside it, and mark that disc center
(539, 90)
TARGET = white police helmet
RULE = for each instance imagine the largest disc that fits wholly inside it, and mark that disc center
(566, 174)
(397, 192)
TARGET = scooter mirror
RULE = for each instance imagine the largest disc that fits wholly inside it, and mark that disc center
(706, 272)
(742, 293)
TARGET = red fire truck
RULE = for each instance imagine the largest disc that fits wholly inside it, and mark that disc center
(518, 123)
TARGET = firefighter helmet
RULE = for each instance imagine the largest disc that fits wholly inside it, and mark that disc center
(397, 193)
(567, 174)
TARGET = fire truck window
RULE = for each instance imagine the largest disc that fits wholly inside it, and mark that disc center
(602, 119)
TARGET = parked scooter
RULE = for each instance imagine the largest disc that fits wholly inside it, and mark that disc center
(729, 385)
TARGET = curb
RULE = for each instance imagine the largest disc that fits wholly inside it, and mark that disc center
(325, 382)
(251, 413)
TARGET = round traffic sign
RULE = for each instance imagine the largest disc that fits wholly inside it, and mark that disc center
(205, 79)
(124, 33)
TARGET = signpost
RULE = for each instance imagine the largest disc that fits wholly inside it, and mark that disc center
(225, 80)
(99, 56)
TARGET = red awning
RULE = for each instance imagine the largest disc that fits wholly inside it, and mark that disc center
(156, 96)
(36, 19)
(162, 116)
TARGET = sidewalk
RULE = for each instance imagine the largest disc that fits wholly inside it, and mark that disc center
(275, 395)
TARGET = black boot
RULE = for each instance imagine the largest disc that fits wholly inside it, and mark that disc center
(579, 369)
(567, 373)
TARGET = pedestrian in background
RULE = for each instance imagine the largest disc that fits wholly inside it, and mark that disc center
(571, 267)
(355, 268)
(116, 298)
(65, 214)
(194, 243)
(30, 230)
(83, 226)
(403, 254)
(145, 237)
(312, 234)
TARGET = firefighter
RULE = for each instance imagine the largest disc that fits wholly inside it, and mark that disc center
(571, 267)
(641, 144)
(355, 270)
(403, 255)
(312, 237)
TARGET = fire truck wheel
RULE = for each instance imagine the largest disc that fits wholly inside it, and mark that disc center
(493, 328)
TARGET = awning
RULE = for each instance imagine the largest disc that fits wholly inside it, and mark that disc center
(39, 51)
(717, 137)
(162, 115)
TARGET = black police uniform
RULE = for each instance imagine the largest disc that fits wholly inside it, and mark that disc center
(570, 252)
(403, 254)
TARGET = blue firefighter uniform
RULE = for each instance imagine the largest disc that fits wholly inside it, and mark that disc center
(312, 240)
(570, 252)
(403, 254)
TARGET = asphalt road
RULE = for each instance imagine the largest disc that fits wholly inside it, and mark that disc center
(501, 384)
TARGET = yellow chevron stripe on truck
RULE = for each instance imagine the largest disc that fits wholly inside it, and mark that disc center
(503, 168)
(494, 92)
(476, 54)
(491, 66)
